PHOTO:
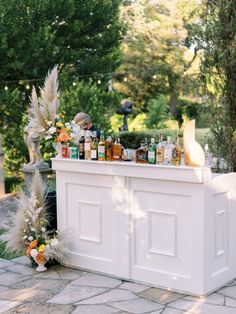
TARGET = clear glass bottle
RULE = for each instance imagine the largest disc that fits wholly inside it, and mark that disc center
(101, 147)
(142, 153)
(94, 147)
(87, 146)
(81, 145)
(160, 151)
(208, 156)
(168, 151)
(176, 153)
(117, 150)
(152, 152)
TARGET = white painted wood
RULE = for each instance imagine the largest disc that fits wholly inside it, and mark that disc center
(173, 227)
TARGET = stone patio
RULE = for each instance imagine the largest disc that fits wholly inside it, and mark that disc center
(65, 290)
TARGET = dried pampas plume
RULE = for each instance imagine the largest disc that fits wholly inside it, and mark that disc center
(44, 108)
(27, 207)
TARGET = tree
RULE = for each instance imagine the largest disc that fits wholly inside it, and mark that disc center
(156, 54)
(217, 39)
(82, 37)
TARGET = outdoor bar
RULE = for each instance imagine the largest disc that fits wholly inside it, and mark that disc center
(172, 227)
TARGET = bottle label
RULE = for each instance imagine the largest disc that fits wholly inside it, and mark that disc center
(74, 152)
(160, 156)
(81, 147)
(93, 154)
(151, 157)
(87, 146)
(101, 151)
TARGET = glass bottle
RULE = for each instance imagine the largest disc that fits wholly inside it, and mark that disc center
(176, 153)
(94, 147)
(117, 150)
(160, 151)
(142, 153)
(207, 156)
(152, 152)
(101, 148)
(81, 145)
(87, 146)
(108, 148)
(168, 151)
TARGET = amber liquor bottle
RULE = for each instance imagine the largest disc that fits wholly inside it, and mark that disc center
(81, 145)
(108, 149)
(176, 153)
(142, 153)
(117, 150)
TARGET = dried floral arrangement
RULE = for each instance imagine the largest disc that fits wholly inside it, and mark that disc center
(28, 232)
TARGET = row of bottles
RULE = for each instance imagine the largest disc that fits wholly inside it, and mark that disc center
(90, 148)
(161, 153)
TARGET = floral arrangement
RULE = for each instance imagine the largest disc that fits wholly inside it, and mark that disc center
(28, 233)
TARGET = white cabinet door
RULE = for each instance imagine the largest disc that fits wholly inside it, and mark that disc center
(95, 209)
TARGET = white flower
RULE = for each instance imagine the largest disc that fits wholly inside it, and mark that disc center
(33, 253)
(49, 123)
(54, 242)
(52, 130)
(30, 238)
(24, 237)
(47, 137)
(26, 220)
(32, 229)
(67, 124)
(73, 122)
(72, 135)
(43, 229)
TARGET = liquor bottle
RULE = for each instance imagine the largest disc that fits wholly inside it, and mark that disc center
(152, 152)
(142, 153)
(74, 151)
(117, 150)
(81, 145)
(168, 151)
(94, 147)
(108, 149)
(101, 148)
(176, 153)
(160, 151)
(207, 156)
(87, 146)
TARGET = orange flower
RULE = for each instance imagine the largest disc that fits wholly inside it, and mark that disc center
(33, 244)
(63, 136)
(28, 251)
(40, 258)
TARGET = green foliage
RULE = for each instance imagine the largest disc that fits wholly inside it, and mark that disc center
(82, 37)
(91, 98)
(217, 39)
(157, 112)
(12, 184)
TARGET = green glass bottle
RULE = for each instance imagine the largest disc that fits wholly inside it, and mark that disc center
(152, 152)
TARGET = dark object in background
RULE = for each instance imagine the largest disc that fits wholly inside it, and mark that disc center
(126, 108)
(51, 205)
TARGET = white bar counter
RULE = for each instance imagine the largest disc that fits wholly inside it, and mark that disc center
(172, 227)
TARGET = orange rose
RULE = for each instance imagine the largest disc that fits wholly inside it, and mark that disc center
(33, 244)
(63, 136)
(28, 251)
(40, 258)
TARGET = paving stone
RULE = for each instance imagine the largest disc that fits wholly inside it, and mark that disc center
(26, 294)
(21, 269)
(214, 298)
(230, 302)
(137, 306)
(6, 305)
(169, 310)
(92, 309)
(53, 285)
(134, 287)
(61, 272)
(110, 296)
(5, 263)
(201, 308)
(38, 308)
(9, 278)
(75, 294)
(95, 280)
(22, 260)
(160, 296)
(229, 291)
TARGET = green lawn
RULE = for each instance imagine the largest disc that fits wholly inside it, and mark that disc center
(4, 254)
